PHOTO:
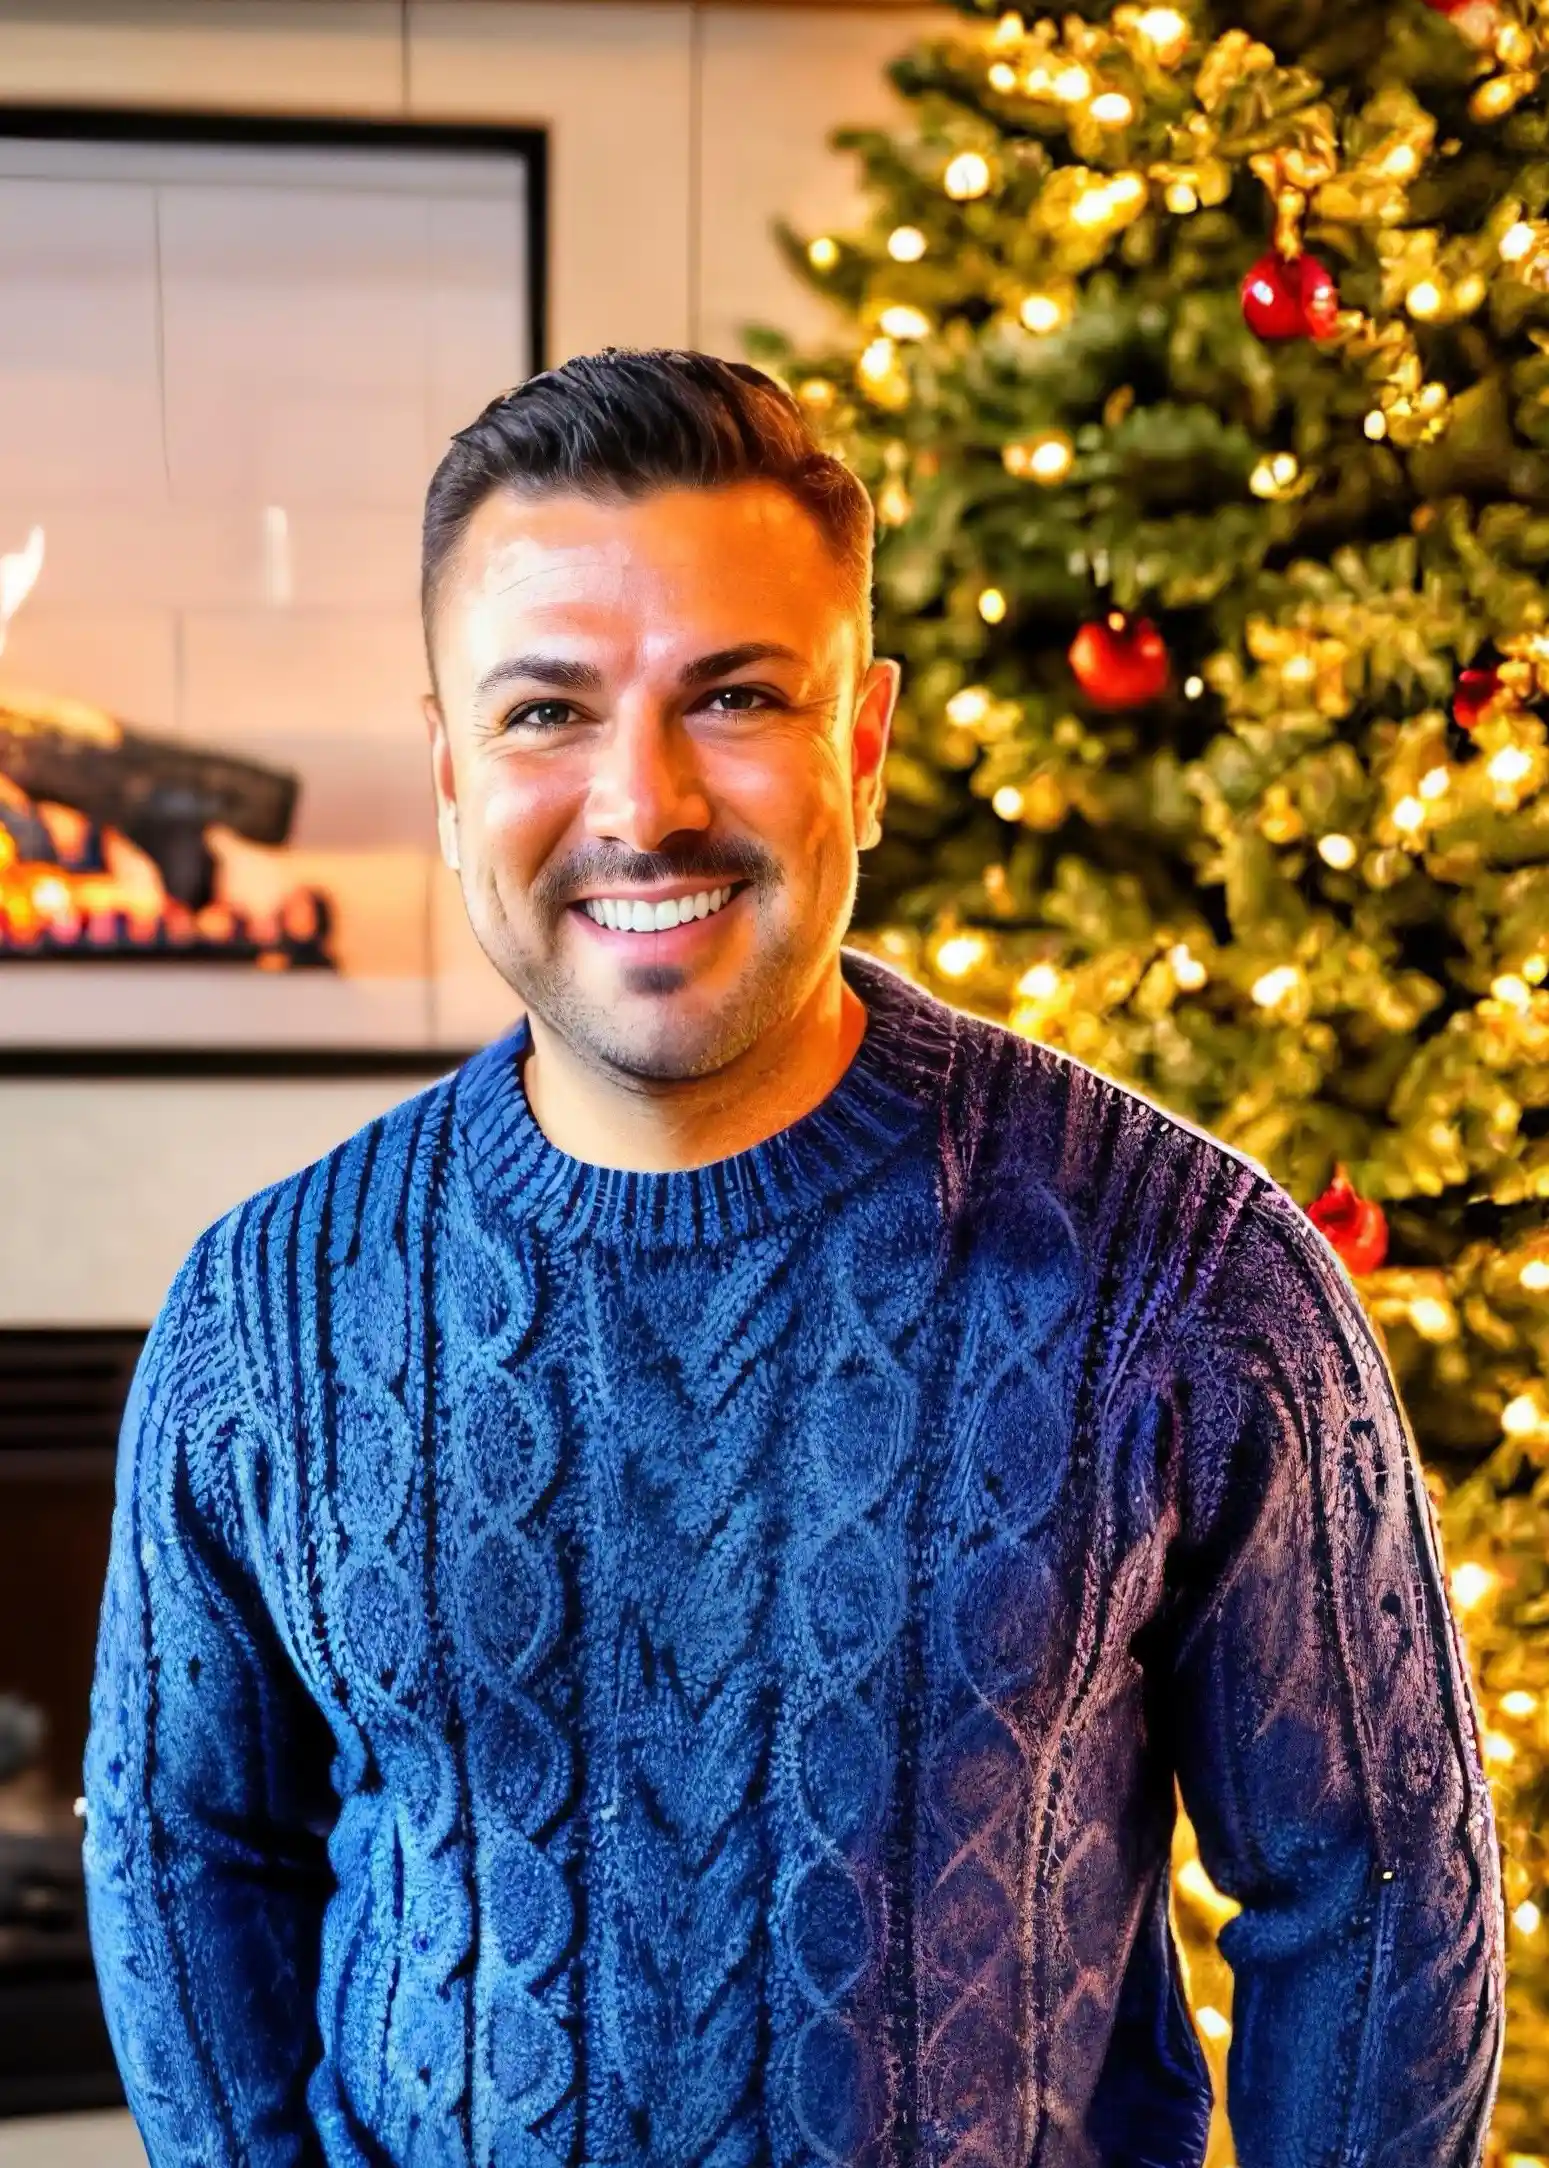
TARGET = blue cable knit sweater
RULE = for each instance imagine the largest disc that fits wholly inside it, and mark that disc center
(689, 1668)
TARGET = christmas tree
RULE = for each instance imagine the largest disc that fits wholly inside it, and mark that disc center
(1197, 362)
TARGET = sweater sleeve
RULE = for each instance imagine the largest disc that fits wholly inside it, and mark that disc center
(1325, 1734)
(207, 1800)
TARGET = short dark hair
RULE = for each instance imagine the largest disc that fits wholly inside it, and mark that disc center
(628, 420)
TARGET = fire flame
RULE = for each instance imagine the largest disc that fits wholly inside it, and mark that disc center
(19, 571)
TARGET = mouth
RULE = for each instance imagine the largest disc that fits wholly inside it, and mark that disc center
(675, 922)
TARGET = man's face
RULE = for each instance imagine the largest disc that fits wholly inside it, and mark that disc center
(603, 728)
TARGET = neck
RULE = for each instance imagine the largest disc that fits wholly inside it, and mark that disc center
(651, 1126)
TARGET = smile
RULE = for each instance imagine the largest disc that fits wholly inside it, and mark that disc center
(627, 914)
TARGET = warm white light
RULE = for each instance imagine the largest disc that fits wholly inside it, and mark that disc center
(1534, 1275)
(1337, 851)
(1435, 782)
(1003, 76)
(1527, 1918)
(1423, 298)
(1520, 1417)
(877, 361)
(1212, 2024)
(1050, 458)
(906, 244)
(1072, 85)
(822, 253)
(1041, 312)
(1376, 425)
(967, 176)
(1112, 109)
(1193, 687)
(1008, 802)
(1186, 967)
(1181, 196)
(959, 953)
(1040, 982)
(903, 321)
(1517, 241)
(1273, 986)
(1409, 814)
(1092, 207)
(1402, 162)
(1126, 190)
(1519, 1702)
(992, 605)
(1512, 989)
(1009, 28)
(1510, 764)
(968, 707)
(1497, 1747)
(1470, 1584)
(1162, 27)
(1433, 1320)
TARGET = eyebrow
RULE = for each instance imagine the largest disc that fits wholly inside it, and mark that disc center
(585, 677)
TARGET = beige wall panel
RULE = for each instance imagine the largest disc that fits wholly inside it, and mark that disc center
(774, 82)
(612, 85)
(107, 1184)
(302, 56)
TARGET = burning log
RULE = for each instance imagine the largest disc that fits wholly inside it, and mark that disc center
(158, 793)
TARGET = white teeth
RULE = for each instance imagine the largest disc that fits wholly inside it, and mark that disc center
(624, 915)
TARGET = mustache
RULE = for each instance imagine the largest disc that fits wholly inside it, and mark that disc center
(644, 869)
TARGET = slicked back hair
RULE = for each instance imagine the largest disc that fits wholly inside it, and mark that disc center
(626, 421)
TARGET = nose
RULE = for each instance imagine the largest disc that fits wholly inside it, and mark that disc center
(645, 779)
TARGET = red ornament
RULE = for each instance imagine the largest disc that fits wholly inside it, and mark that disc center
(1120, 662)
(1289, 297)
(1478, 20)
(1474, 692)
(1354, 1225)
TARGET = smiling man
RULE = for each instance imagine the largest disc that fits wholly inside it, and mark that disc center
(660, 1593)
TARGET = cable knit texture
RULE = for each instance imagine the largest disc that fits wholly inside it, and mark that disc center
(688, 1669)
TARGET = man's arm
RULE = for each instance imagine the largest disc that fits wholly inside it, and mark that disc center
(1324, 1729)
(207, 1801)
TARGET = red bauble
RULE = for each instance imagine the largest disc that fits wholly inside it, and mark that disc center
(1119, 661)
(1354, 1225)
(1289, 297)
(1478, 20)
(1473, 694)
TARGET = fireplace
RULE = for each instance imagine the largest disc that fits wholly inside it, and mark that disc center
(61, 1398)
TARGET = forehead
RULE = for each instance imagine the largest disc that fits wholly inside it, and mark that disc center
(676, 567)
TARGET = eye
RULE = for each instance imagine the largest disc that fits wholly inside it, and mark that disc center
(753, 692)
(533, 713)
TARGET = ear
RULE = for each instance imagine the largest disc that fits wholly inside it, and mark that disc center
(443, 781)
(868, 746)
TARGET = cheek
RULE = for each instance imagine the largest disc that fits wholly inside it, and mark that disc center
(519, 813)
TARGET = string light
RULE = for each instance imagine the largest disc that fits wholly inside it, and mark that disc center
(1498, 1748)
(968, 707)
(1002, 76)
(1423, 299)
(1180, 196)
(877, 360)
(1435, 782)
(1040, 982)
(1337, 851)
(903, 321)
(1187, 969)
(906, 244)
(823, 253)
(1047, 459)
(967, 176)
(1042, 312)
(1409, 815)
(1519, 1702)
(1009, 28)
(1512, 991)
(1517, 241)
(1273, 986)
(1527, 1918)
(1470, 1584)
(1509, 765)
(1193, 687)
(1165, 30)
(1402, 163)
(1112, 110)
(1534, 1276)
(992, 605)
(960, 953)
(1007, 802)
(1072, 86)
(1520, 1417)
(1376, 425)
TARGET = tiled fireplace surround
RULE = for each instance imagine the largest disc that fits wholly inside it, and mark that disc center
(674, 132)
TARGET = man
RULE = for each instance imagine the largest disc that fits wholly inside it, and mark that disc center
(726, 1516)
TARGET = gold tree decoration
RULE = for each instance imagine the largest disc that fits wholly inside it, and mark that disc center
(1198, 367)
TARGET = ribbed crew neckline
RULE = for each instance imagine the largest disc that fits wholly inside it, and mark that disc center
(894, 1079)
